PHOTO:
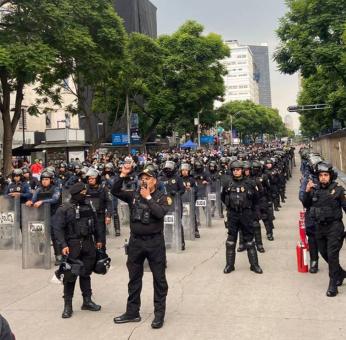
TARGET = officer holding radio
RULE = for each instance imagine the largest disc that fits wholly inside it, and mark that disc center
(325, 201)
(148, 206)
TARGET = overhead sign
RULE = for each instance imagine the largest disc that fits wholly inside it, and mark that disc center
(119, 139)
(207, 139)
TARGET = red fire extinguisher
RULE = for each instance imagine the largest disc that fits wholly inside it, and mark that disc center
(302, 230)
(302, 260)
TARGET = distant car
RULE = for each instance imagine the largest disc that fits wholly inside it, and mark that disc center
(5, 330)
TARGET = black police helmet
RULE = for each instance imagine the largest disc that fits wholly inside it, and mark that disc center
(103, 262)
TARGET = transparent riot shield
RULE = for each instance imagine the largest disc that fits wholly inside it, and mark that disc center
(124, 213)
(65, 195)
(9, 223)
(36, 237)
(214, 197)
(203, 209)
(173, 225)
(188, 215)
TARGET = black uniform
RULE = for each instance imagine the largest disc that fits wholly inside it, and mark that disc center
(326, 204)
(76, 226)
(101, 200)
(174, 187)
(146, 242)
(240, 198)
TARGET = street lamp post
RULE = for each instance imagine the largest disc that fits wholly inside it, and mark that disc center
(233, 116)
(98, 132)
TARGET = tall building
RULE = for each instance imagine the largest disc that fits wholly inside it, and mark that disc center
(260, 54)
(241, 82)
(138, 15)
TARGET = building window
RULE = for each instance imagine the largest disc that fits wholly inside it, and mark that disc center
(20, 122)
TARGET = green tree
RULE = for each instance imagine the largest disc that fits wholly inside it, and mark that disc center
(251, 120)
(44, 42)
(313, 37)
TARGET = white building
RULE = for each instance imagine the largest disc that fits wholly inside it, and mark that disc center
(241, 82)
(55, 118)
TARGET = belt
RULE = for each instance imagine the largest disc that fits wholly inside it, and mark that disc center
(145, 237)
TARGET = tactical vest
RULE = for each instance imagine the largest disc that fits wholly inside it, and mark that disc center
(326, 206)
(94, 196)
(238, 196)
(83, 225)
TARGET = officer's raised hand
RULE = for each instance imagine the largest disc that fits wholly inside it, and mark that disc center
(309, 186)
(65, 251)
(126, 170)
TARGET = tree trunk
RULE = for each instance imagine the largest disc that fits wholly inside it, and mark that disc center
(152, 127)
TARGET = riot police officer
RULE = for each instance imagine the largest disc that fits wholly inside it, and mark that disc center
(18, 187)
(190, 185)
(148, 206)
(48, 193)
(78, 233)
(100, 198)
(240, 198)
(326, 201)
(28, 178)
(174, 188)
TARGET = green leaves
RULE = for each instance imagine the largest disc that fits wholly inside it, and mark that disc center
(250, 119)
(312, 35)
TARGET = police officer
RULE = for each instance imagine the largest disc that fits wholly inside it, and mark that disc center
(326, 201)
(190, 186)
(78, 233)
(310, 224)
(148, 206)
(28, 178)
(100, 198)
(240, 198)
(174, 188)
(48, 193)
(18, 188)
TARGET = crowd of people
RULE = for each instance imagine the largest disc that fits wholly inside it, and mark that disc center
(250, 181)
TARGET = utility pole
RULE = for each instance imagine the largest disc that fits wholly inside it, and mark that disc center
(128, 123)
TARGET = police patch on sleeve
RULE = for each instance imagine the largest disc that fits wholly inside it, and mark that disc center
(169, 200)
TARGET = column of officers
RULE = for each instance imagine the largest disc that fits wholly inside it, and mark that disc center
(79, 228)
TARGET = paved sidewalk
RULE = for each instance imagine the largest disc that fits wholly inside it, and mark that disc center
(203, 303)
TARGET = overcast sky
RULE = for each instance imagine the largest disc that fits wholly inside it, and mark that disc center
(248, 21)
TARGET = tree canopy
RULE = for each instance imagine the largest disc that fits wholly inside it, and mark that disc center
(251, 120)
(313, 42)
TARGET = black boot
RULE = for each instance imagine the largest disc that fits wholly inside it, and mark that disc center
(341, 277)
(67, 313)
(332, 288)
(230, 257)
(88, 304)
(313, 266)
(258, 237)
(270, 237)
(241, 247)
(116, 221)
(253, 259)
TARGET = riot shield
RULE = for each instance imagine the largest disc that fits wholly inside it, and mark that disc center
(188, 215)
(124, 213)
(203, 209)
(173, 226)
(9, 223)
(214, 197)
(36, 237)
(65, 195)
